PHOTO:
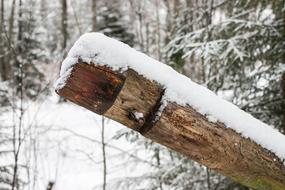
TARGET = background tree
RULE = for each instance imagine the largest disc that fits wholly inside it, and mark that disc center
(112, 24)
(64, 23)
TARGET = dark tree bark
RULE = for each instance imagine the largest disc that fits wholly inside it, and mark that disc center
(50, 185)
(6, 67)
(18, 65)
(283, 93)
(104, 154)
(2, 45)
(64, 23)
(11, 22)
(169, 21)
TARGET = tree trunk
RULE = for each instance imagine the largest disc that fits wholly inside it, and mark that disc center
(50, 185)
(11, 22)
(2, 45)
(283, 93)
(94, 15)
(64, 23)
(121, 96)
(104, 154)
(43, 10)
(19, 65)
(7, 65)
(158, 41)
(176, 8)
(169, 21)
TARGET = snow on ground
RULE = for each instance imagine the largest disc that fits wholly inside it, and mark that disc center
(100, 49)
(63, 145)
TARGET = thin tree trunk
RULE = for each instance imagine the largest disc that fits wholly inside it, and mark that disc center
(283, 60)
(139, 12)
(18, 65)
(43, 10)
(2, 45)
(176, 8)
(11, 22)
(190, 6)
(157, 157)
(17, 136)
(147, 38)
(50, 185)
(104, 154)
(7, 66)
(169, 21)
(64, 23)
(208, 178)
(137, 9)
(158, 41)
(180, 128)
(2, 16)
(94, 15)
(283, 91)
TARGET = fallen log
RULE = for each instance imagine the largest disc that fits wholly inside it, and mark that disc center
(137, 102)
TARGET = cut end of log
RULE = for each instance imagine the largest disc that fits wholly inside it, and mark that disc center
(95, 88)
(118, 96)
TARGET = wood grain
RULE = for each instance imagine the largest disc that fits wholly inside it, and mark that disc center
(119, 96)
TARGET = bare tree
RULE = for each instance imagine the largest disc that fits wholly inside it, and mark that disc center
(104, 154)
(17, 128)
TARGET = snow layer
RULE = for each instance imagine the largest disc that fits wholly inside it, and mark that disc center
(138, 115)
(100, 49)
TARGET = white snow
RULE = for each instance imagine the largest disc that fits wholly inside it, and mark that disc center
(138, 115)
(99, 49)
(68, 149)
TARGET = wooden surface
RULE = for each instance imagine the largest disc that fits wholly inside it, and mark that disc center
(119, 96)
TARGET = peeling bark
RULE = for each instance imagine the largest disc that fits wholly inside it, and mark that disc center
(181, 128)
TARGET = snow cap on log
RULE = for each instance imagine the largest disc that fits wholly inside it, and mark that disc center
(96, 48)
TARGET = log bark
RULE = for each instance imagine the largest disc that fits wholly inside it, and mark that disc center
(119, 96)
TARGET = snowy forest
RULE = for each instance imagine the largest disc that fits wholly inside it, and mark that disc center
(234, 48)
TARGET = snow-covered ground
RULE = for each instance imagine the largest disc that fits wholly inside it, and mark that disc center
(62, 144)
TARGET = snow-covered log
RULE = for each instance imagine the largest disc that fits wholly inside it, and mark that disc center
(111, 79)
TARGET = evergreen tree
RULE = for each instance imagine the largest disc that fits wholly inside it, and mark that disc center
(241, 54)
(111, 23)
(29, 52)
